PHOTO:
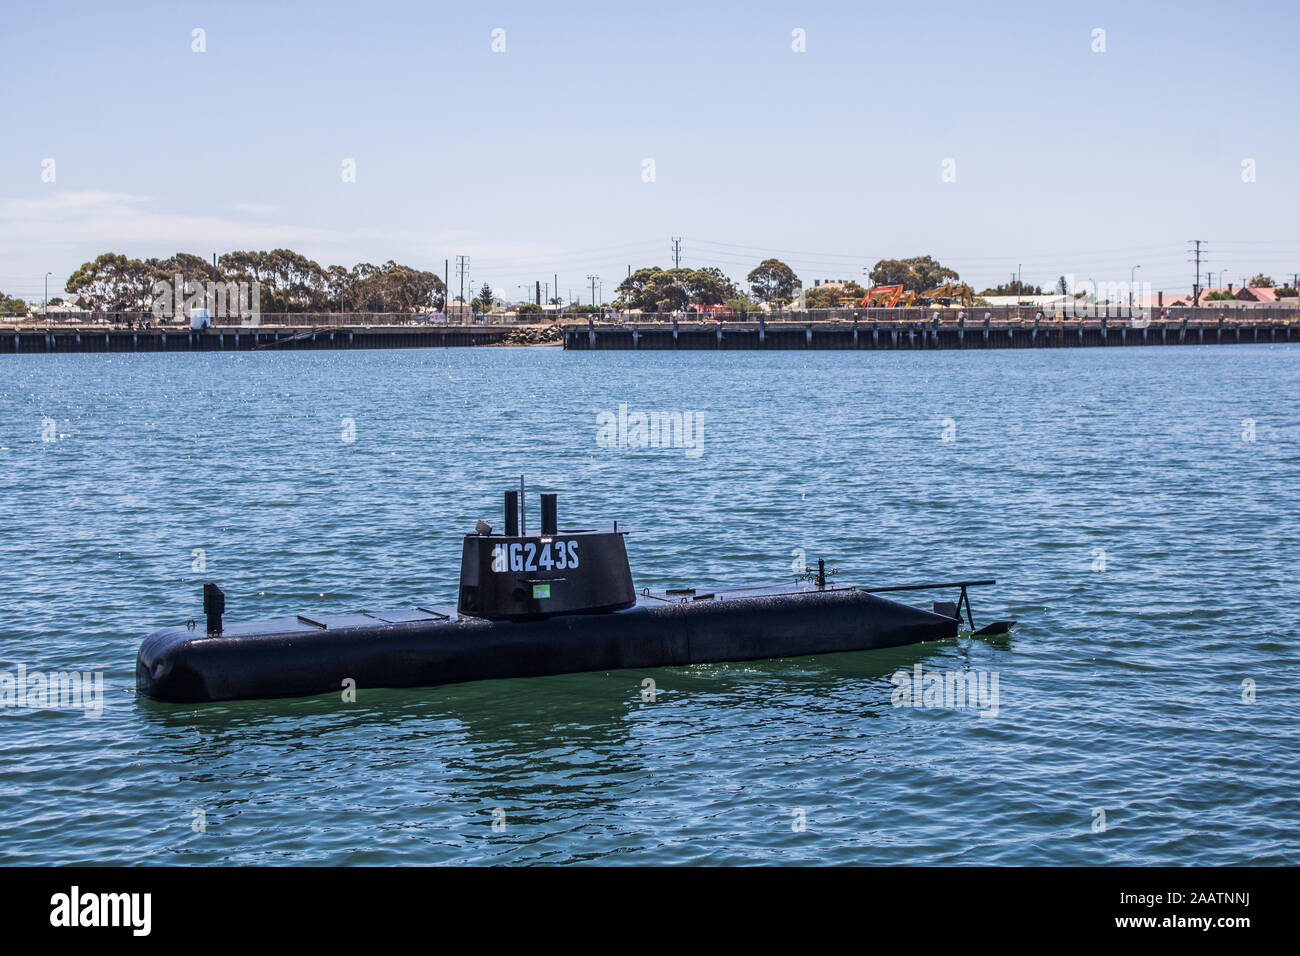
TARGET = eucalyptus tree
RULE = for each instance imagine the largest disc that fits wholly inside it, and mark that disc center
(772, 280)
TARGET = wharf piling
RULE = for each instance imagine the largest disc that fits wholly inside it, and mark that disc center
(885, 334)
(62, 339)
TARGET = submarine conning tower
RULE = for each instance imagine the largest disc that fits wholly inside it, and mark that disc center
(517, 576)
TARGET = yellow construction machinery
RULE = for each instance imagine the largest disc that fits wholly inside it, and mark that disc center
(948, 295)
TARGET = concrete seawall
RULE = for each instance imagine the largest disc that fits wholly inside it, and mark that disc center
(1090, 332)
(235, 339)
(596, 335)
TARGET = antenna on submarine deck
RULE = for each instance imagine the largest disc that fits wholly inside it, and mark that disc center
(817, 574)
(523, 508)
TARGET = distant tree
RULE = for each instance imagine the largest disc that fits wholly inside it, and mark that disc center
(709, 286)
(248, 266)
(1285, 292)
(289, 281)
(1260, 281)
(113, 282)
(96, 281)
(1015, 287)
(634, 292)
(916, 274)
(190, 267)
(386, 288)
(833, 297)
(667, 292)
(821, 297)
(1062, 287)
(9, 306)
(772, 280)
(654, 289)
(297, 284)
(404, 289)
(485, 295)
(336, 287)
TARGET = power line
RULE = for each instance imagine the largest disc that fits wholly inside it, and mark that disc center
(828, 256)
(570, 253)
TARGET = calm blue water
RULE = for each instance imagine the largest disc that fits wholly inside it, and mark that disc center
(1120, 691)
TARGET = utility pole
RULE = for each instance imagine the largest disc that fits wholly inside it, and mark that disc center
(461, 263)
(1196, 289)
(677, 253)
(593, 279)
(446, 286)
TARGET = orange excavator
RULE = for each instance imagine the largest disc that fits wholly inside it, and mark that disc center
(895, 296)
(887, 297)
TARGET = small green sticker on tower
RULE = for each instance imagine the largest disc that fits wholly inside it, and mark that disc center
(541, 590)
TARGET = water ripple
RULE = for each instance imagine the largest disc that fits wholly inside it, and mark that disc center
(1146, 548)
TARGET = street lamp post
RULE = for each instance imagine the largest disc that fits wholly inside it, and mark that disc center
(45, 309)
(1130, 285)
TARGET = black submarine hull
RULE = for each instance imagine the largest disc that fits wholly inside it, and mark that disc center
(289, 658)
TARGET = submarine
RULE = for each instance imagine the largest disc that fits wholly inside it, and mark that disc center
(556, 602)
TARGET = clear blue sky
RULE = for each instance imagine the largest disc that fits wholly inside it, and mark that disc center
(530, 161)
